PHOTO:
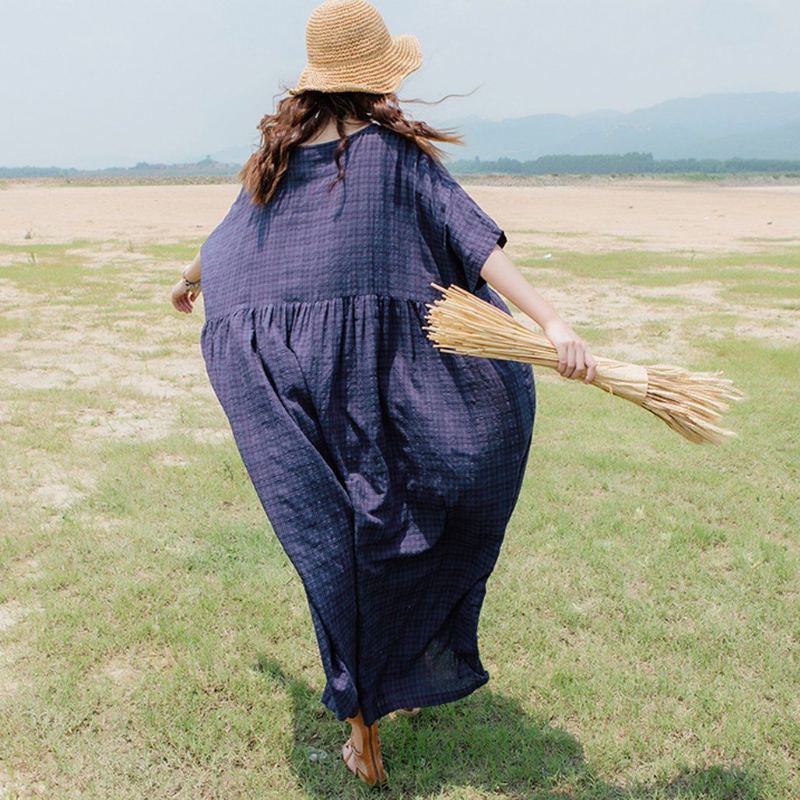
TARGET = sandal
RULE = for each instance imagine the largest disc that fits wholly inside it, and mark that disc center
(367, 765)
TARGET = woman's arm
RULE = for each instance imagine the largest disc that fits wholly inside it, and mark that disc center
(192, 272)
(182, 297)
(574, 359)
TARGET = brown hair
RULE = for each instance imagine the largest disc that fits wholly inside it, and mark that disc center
(299, 117)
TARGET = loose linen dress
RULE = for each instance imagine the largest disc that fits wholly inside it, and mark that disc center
(387, 469)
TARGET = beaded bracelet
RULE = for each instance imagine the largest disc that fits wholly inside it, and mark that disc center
(191, 286)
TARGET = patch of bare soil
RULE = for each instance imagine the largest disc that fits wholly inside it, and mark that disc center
(596, 215)
(594, 181)
(645, 332)
(11, 613)
(87, 347)
(12, 648)
(17, 785)
(648, 216)
(130, 420)
(53, 213)
(126, 669)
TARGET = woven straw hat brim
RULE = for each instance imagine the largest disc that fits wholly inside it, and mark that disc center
(377, 75)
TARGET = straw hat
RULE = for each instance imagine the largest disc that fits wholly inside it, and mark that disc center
(350, 49)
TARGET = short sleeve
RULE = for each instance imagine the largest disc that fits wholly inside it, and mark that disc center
(242, 197)
(471, 233)
(468, 233)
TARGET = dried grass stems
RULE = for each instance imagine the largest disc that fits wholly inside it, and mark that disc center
(691, 403)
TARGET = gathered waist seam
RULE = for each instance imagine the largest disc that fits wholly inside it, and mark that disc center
(260, 306)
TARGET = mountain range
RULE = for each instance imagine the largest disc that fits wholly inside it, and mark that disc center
(720, 126)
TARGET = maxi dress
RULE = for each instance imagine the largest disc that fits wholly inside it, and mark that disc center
(387, 469)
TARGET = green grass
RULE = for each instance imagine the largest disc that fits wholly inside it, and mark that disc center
(703, 177)
(641, 627)
(59, 249)
(557, 234)
(181, 250)
(649, 268)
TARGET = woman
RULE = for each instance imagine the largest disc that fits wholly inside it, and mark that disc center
(387, 468)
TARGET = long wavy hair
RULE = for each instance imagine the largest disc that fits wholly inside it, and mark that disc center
(298, 117)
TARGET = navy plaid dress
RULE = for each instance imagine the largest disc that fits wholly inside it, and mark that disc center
(387, 469)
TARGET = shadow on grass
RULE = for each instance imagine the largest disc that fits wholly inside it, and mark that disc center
(484, 743)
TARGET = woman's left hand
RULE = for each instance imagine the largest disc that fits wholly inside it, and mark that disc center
(182, 298)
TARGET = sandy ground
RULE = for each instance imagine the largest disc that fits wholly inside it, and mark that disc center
(657, 215)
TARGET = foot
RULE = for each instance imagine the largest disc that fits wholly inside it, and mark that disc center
(408, 712)
(361, 752)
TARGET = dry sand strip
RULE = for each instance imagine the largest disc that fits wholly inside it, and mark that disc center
(639, 214)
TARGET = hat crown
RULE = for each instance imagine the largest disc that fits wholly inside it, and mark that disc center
(345, 32)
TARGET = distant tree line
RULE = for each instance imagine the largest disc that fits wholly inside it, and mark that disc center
(206, 166)
(599, 164)
(626, 164)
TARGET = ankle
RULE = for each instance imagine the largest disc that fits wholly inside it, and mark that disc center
(359, 729)
(358, 719)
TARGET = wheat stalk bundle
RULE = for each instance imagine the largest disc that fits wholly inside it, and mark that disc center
(689, 402)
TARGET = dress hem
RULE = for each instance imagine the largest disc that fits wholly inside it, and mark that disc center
(410, 700)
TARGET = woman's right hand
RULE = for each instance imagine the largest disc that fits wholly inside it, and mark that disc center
(182, 298)
(574, 359)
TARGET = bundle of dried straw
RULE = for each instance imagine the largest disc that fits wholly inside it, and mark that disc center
(689, 402)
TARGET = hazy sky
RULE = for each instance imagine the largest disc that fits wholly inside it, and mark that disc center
(91, 83)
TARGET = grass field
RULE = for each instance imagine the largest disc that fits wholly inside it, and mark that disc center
(641, 628)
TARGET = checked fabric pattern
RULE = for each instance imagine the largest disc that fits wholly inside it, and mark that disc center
(387, 469)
